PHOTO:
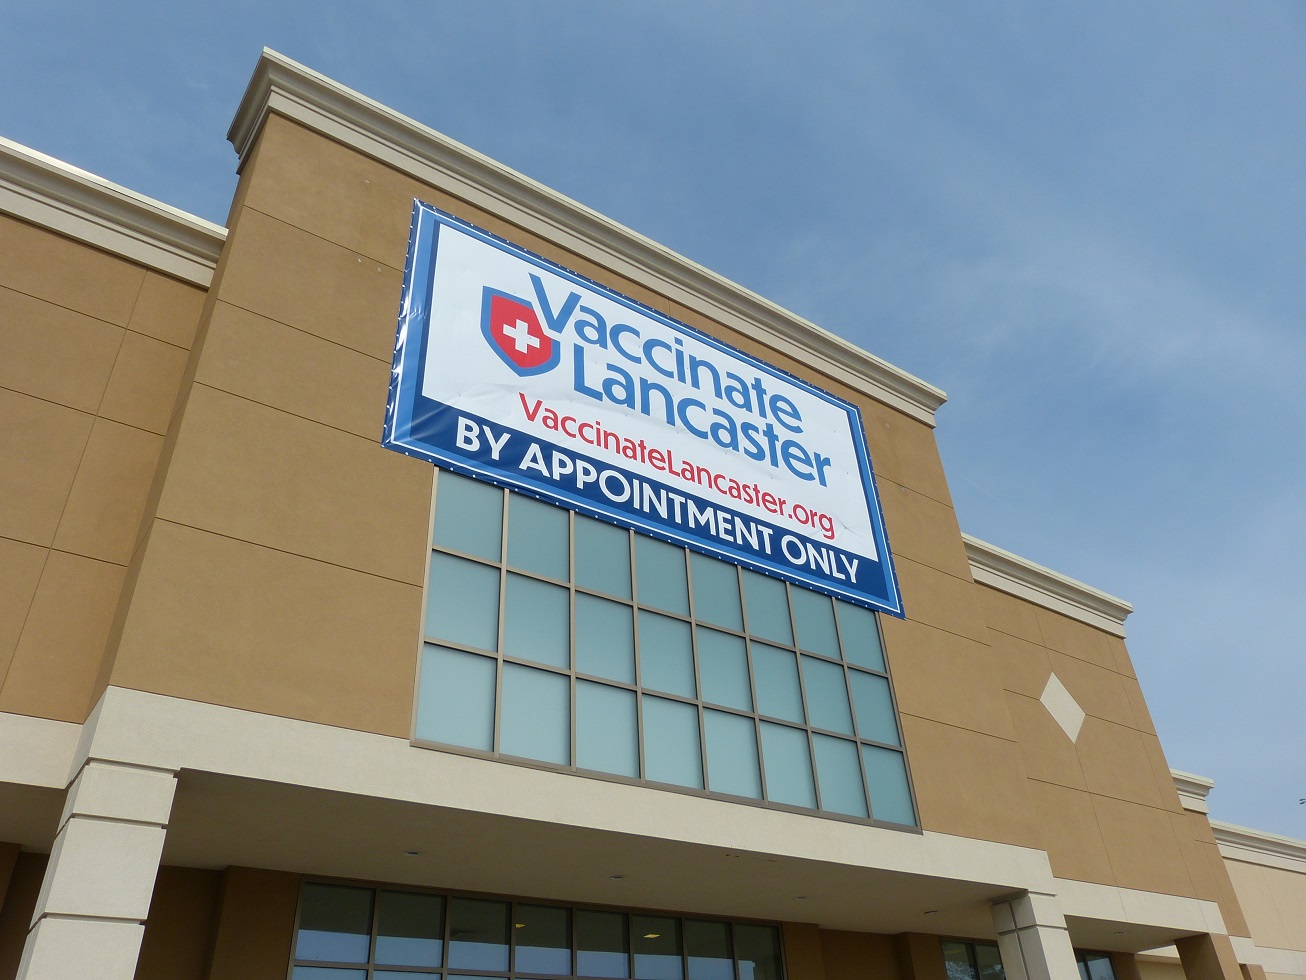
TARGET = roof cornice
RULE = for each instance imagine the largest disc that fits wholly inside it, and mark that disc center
(1001, 570)
(1259, 846)
(289, 89)
(55, 195)
(1192, 790)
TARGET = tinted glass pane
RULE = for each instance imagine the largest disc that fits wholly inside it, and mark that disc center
(1083, 969)
(660, 573)
(462, 602)
(537, 537)
(768, 608)
(861, 636)
(716, 592)
(602, 557)
(671, 749)
(731, 754)
(478, 934)
(605, 639)
(723, 669)
(839, 774)
(886, 775)
(606, 738)
(409, 929)
(990, 964)
(601, 944)
(775, 675)
(814, 620)
(537, 621)
(327, 973)
(788, 765)
(956, 959)
(874, 707)
(827, 696)
(455, 703)
(535, 722)
(758, 951)
(657, 947)
(468, 516)
(666, 654)
(542, 939)
(335, 923)
(707, 946)
(1099, 967)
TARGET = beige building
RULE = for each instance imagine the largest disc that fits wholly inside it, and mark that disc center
(248, 728)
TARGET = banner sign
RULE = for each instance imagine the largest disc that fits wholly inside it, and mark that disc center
(512, 369)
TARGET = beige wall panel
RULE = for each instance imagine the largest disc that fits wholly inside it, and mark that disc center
(1200, 858)
(143, 388)
(268, 362)
(256, 925)
(179, 931)
(167, 310)
(226, 622)
(103, 515)
(48, 266)
(1120, 654)
(1047, 752)
(20, 571)
(920, 957)
(278, 271)
(58, 656)
(904, 450)
(945, 677)
(1138, 704)
(922, 529)
(41, 444)
(1141, 843)
(1068, 827)
(803, 954)
(1269, 927)
(1165, 786)
(1099, 691)
(968, 784)
(940, 600)
(1150, 969)
(858, 956)
(1115, 763)
(1075, 638)
(54, 353)
(16, 910)
(1007, 614)
(1235, 919)
(1023, 666)
(1288, 889)
(261, 475)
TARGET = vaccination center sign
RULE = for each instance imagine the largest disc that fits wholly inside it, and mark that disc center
(512, 369)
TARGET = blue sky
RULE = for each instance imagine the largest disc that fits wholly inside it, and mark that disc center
(1084, 222)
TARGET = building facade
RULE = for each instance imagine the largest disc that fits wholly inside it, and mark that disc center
(277, 701)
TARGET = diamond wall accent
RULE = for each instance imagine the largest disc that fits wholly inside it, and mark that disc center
(1063, 707)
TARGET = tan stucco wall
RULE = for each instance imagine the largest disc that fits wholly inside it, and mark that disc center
(179, 932)
(19, 902)
(1274, 900)
(255, 926)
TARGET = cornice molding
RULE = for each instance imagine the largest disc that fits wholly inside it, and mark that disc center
(289, 89)
(1260, 847)
(58, 196)
(1001, 570)
(1192, 790)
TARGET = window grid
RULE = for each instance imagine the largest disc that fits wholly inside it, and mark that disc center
(635, 605)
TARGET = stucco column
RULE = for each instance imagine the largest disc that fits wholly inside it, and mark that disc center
(90, 915)
(1208, 956)
(1032, 938)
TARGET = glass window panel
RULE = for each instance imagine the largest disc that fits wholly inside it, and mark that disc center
(666, 655)
(328, 973)
(656, 940)
(462, 602)
(814, 620)
(606, 734)
(1099, 967)
(886, 776)
(478, 934)
(335, 923)
(827, 696)
(602, 557)
(731, 754)
(839, 774)
(990, 963)
(788, 764)
(716, 592)
(537, 537)
(535, 721)
(537, 621)
(723, 669)
(775, 675)
(1083, 969)
(768, 608)
(543, 942)
(468, 516)
(601, 944)
(707, 947)
(605, 639)
(860, 632)
(956, 960)
(758, 950)
(671, 748)
(409, 929)
(874, 708)
(660, 575)
(455, 702)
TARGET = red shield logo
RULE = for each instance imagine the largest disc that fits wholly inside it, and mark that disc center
(513, 329)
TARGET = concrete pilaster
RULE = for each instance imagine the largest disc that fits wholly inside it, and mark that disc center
(1208, 956)
(1033, 939)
